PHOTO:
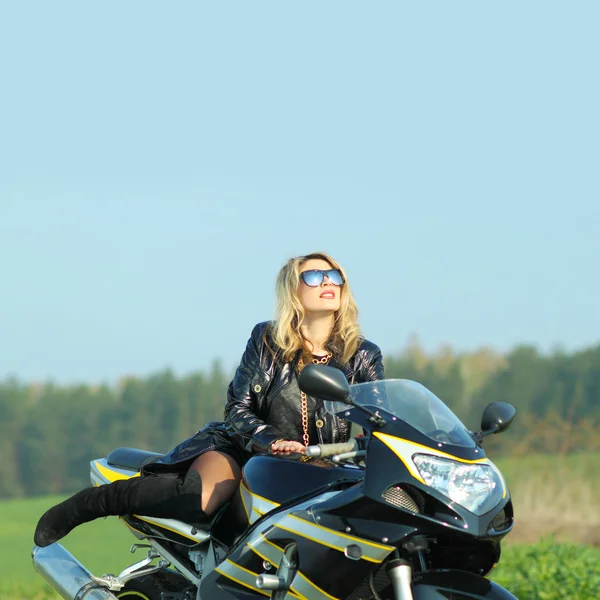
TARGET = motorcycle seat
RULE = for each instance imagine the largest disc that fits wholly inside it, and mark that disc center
(131, 458)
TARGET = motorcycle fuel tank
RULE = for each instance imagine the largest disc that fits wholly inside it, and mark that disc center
(268, 481)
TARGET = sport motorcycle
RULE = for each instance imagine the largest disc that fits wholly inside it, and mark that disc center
(411, 509)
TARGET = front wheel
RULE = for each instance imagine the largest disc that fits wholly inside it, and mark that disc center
(150, 587)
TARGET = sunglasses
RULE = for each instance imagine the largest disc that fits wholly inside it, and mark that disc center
(315, 277)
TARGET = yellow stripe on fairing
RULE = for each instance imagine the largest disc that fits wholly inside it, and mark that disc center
(112, 475)
(331, 538)
(350, 538)
(272, 553)
(253, 503)
(261, 498)
(132, 527)
(388, 440)
(149, 520)
(242, 496)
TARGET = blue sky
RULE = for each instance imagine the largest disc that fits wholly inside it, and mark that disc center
(159, 162)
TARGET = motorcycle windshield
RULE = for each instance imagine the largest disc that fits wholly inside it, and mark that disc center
(411, 402)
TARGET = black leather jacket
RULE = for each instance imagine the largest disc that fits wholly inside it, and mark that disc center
(259, 380)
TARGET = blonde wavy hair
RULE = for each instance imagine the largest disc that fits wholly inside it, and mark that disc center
(345, 336)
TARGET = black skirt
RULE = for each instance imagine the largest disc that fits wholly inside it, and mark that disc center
(213, 436)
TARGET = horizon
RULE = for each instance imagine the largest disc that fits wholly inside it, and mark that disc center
(228, 370)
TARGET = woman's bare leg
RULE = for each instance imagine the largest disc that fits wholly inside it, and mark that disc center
(220, 476)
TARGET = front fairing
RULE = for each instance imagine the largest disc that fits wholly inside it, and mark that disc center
(393, 506)
(391, 477)
(419, 425)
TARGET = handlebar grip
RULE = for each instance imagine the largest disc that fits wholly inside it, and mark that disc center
(322, 450)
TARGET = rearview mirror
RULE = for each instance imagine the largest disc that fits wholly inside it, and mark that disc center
(497, 417)
(327, 383)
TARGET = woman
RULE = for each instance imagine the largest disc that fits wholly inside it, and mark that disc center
(316, 320)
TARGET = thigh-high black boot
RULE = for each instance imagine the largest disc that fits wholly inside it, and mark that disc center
(164, 496)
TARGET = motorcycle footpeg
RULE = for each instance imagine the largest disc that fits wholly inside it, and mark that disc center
(280, 582)
(270, 582)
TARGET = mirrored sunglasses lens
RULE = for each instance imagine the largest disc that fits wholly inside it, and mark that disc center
(335, 277)
(312, 278)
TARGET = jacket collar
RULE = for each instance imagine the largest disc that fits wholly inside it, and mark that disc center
(347, 369)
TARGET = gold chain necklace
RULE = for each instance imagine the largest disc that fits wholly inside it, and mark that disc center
(303, 400)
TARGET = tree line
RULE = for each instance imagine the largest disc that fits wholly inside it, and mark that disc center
(49, 433)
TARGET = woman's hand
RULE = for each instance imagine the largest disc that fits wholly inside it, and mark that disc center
(287, 447)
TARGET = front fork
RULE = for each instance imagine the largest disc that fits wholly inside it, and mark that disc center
(400, 573)
(400, 570)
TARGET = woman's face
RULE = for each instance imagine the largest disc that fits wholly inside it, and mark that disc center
(322, 298)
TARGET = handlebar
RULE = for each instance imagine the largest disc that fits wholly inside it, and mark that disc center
(323, 450)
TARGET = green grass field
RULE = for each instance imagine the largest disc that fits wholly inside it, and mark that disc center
(555, 495)
(544, 489)
(102, 546)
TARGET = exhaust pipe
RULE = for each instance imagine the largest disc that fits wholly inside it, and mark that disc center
(67, 575)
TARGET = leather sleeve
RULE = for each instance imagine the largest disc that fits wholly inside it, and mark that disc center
(243, 424)
(371, 368)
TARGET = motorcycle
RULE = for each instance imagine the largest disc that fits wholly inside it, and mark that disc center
(412, 509)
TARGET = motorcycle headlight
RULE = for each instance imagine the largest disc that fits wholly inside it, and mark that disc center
(476, 487)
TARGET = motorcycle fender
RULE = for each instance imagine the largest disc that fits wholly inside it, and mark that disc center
(452, 584)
